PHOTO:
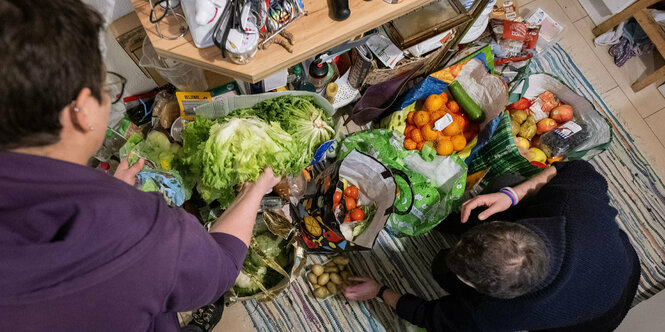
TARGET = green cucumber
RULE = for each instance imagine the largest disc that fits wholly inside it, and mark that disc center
(466, 103)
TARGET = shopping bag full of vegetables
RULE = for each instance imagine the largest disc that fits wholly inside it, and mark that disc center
(346, 205)
(272, 261)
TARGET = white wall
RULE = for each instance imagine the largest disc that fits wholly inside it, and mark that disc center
(116, 58)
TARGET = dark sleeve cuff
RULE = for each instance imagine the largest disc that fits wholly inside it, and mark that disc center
(407, 307)
(578, 176)
(559, 165)
(233, 246)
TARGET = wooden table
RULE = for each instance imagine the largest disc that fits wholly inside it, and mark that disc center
(313, 34)
(640, 12)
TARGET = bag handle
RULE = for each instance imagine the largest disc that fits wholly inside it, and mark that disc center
(523, 74)
(400, 173)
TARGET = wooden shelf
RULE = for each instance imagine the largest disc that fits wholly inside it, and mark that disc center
(313, 34)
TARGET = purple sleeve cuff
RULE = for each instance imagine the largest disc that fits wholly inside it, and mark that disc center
(236, 249)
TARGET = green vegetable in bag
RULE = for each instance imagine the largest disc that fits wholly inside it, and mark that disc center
(430, 206)
(299, 116)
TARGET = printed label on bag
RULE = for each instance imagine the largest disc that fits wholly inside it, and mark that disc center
(568, 129)
(537, 109)
(514, 30)
(188, 101)
(442, 123)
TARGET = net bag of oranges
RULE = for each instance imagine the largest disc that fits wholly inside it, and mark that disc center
(439, 117)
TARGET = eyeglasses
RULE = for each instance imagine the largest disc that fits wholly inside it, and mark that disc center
(115, 86)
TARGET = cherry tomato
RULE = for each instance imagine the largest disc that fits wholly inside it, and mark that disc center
(337, 197)
(350, 203)
(357, 214)
(335, 206)
(347, 218)
(351, 191)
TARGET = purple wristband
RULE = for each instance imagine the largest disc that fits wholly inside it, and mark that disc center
(511, 194)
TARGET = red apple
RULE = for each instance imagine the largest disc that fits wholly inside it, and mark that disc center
(561, 114)
(546, 125)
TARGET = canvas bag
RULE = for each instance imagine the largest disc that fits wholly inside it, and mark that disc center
(530, 85)
(319, 228)
(427, 204)
(499, 153)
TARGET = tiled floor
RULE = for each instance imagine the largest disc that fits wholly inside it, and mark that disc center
(642, 113)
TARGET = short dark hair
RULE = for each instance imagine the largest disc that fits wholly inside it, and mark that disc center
(49, 52)
(500, 259)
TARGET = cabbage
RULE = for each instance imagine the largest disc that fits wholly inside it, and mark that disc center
(234, 151)
(282, 133)
(239, 149)
(256, 271)
(299, 116)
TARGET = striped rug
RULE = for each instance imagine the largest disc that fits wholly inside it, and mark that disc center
(404, 264)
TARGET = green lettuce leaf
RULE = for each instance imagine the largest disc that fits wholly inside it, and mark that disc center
(236, 151)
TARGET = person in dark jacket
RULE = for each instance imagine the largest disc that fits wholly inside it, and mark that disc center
(556, 261)
(81, 250)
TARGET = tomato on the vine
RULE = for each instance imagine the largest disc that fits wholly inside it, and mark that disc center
(351, 191)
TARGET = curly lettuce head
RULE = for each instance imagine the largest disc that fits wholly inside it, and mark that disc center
(238, 150)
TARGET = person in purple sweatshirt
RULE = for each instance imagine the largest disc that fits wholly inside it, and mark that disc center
(81, 250)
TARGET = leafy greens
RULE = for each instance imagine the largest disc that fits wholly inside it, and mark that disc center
(282, 133)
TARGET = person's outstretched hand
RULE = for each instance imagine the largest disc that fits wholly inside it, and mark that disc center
(365, 289)
(127, 174)
(495, 203)
(266, 180)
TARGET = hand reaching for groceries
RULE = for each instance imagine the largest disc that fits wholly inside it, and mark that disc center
(127, 174)
(265, 182)
(495, 203)
(365, 289)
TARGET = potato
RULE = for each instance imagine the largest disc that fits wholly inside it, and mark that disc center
(330, 264)
(335, 278)
(317, 286)
(345, 276)
(323, 279)
(321, 292)
(317, 269)
(341, 267)
(331, 288)
(341, 260)
(331, 269)
(312, 278)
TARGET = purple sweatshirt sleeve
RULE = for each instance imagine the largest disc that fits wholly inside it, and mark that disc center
(207, 265)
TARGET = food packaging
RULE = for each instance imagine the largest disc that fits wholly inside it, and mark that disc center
(505, 9)
(241, 46)
(564, 139)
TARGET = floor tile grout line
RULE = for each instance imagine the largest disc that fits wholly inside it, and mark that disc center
(648, 115)
(625, 91)
(650, 128)
(581, 19)
(616, 84)
(630, 133)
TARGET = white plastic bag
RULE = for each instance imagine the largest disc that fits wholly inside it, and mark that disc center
(184, 77)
